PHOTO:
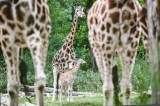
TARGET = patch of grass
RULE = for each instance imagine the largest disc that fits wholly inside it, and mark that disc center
(85, 101)
(80, 101)
(136, 99)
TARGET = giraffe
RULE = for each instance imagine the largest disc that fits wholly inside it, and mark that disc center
(63, 60)
(113, 27)
(24, 23)
(66, 80)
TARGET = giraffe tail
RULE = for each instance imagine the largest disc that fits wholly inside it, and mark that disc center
(23, 75)
(116, 85)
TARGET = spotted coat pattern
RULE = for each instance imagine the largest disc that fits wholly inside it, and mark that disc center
(24, 23)
(114, 27)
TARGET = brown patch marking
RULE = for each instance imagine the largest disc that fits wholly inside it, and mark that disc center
(115, 17)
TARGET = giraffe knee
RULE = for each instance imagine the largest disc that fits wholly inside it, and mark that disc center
(127, 93)
(13, 91)
(40, 83)
(126, 84)
(40, 78)
(12, 94)
(126, 90)
(108, 92)
(41, 88)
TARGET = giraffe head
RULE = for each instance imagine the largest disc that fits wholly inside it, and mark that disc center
(79, 11)
(81, 61)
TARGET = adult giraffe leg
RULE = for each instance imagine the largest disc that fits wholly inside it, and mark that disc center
(55, 75)
(107, 83)
(104, 61)
(70, 98)
(97, 56)
(60, 92)
(44, 49)
(37, 56)
(127, 57)
(10, 53)
(71, 92)
(68, 93)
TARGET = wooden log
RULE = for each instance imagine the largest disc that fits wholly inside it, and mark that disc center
(30, 90)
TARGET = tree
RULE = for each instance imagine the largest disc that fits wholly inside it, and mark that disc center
(153, 12)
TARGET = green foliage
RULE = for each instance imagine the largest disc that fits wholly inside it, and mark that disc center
(140, 1)
(88, 81)
(3, 74)
(141, 75)
(3, 82)
(144, 98)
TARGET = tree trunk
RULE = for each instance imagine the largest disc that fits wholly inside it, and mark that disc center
(154, 41)
(50, 90)
(155, 71)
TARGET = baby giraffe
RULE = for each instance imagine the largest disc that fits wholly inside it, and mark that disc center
(67, 79)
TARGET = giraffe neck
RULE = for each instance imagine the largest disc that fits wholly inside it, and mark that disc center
(76, 67)
(70, 37)
(74, 24)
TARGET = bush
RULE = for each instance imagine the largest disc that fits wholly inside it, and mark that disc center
(88, 81)
(3, 82)
(141, 77)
